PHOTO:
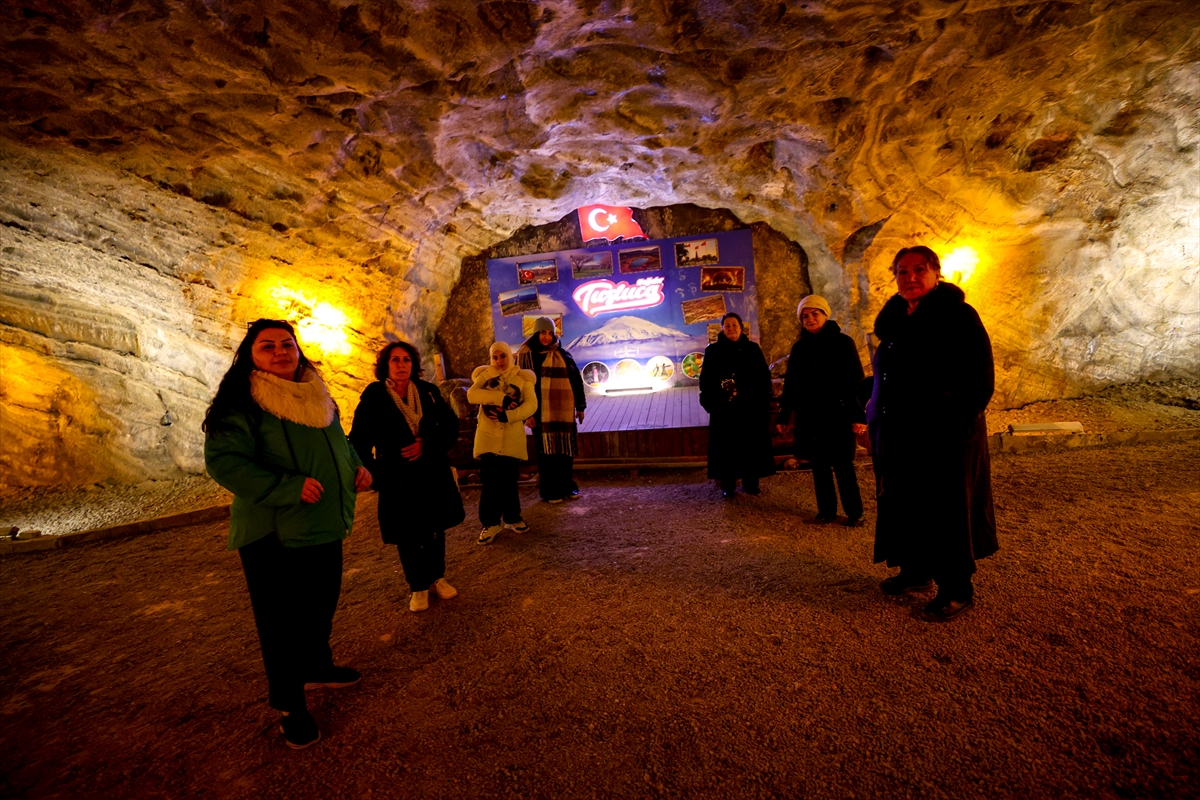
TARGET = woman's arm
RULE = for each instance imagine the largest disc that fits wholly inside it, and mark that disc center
(529, 401)
(230, 459)
(364, 431)
(481, 396)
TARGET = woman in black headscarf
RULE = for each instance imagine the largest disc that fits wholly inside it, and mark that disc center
(934, 376)
(735, 390)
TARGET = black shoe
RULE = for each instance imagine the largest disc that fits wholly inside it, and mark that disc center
(299, 730)
(573, 495)
(943, 609)
(726, 494)
(853, 522)
(899, 584)
(752, 489)
(823, 519)
(335, 678)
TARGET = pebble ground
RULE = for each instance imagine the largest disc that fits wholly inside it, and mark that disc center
(649, 640)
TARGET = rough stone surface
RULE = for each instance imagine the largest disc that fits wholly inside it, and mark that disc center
(166, 167)
(650, 640)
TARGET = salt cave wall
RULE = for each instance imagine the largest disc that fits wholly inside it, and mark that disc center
(170, 170)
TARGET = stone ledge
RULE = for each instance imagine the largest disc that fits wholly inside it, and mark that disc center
(211, 514)
(1046, 443)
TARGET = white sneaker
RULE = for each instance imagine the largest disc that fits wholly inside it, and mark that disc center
(419, 601)
(489, 533)
(443, 589)
(521, 526)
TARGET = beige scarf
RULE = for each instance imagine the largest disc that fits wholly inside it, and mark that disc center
(409, 406)
(305, 402)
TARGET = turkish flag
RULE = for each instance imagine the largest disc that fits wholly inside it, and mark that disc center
(608, 222)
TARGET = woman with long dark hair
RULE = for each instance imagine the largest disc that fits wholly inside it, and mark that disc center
(403, 431)
(735, 390)
(273, 439)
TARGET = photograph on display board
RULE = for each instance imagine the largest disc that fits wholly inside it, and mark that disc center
(534, 272)
(591, 265)
(703, 308)
(660, 369)
(713, 330)
(697, 253)
(691, 365)
(641, 259)
(594, 374)
(627, 370)
(722, 279)
(528, 322)
(519, 301)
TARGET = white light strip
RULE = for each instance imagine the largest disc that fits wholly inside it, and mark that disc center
(630, 390)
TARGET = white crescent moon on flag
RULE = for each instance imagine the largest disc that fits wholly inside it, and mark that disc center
(592, 220)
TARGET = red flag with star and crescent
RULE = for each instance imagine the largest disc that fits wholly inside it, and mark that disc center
(608, 222)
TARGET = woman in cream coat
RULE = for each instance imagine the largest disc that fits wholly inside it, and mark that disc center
(506, 398)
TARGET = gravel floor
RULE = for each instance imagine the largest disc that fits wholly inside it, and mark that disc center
(649, 640)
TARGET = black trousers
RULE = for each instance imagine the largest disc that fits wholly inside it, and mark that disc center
(423, 557)
(824, 471)
(294, 593)
(729, 481)
(499, 497)
(555, 475)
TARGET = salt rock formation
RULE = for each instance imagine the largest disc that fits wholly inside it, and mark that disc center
(170, 171)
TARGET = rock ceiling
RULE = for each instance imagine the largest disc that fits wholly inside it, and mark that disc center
(169, 170)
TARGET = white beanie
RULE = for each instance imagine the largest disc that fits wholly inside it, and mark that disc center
(814, 301)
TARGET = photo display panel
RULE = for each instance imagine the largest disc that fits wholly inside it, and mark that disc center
(634, 315)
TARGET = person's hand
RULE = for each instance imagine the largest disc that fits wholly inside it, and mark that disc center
(530, 423)
(783, 429)
(312, 491)
(492, 412)
(362, 480)
(579, 416)
(859, 427)
(413, 451)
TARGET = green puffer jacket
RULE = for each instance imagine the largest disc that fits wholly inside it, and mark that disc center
(264, 463)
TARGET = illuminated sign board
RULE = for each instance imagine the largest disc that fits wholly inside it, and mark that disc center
(605, 297)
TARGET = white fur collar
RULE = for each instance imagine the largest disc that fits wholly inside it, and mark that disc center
(305, 402)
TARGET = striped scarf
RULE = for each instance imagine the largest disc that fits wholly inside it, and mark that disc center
(410, 407)
(556, 400)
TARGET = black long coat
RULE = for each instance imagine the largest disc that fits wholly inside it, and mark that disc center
(418, 496)
(934, 376)
(820, 387)
(739, 429)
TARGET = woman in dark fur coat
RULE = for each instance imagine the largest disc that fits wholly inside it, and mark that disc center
(404, 429)
(821, 384)
(934, 376)
(735, 390)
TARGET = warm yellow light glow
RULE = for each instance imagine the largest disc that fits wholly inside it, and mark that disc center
(960, 264)
(318, 323)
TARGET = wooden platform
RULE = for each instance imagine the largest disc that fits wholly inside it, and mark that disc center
(670, 408)
(662, 429)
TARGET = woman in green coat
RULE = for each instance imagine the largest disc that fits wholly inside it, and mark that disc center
(273, 438)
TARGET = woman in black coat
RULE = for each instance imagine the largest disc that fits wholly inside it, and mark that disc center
(821, 386)
(404, 429)
(934, 376)
(735, 390)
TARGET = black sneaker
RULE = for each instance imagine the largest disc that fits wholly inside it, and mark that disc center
(853, 522)
(822, 519)
(943, 609)
(299, 729)
(574, 495)
(335, 678)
